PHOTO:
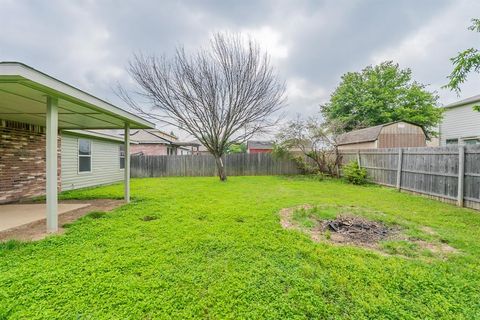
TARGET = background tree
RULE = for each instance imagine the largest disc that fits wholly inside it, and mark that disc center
(222, 95)
(465, 62)
(380, 94)
(313, 139)
(237, 148)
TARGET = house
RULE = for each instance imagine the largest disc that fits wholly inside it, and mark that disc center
(259, 146)
(149, 142)
(388, 135)
(461, 124)
(34, 157)
(152, 142)
(195, 147)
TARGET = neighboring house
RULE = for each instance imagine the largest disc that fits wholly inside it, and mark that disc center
(388, 135)
(461, 124)
(151, 142)
(195, 147)
(259, 146)
(34, 107)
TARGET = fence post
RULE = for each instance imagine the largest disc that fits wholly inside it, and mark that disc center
(399, 169)
(358, 158)
(461, 175)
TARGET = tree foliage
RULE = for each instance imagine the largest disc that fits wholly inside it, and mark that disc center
(465, 62)
(222, 95)
(237, 148)
(313, 139)
(380, 94)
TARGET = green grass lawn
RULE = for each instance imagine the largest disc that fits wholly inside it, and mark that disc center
(198, 248)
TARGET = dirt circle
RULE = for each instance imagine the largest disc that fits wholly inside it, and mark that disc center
(349, 226)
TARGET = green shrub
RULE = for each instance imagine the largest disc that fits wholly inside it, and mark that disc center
(353, 173)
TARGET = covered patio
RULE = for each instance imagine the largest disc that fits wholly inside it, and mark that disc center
(30, 96)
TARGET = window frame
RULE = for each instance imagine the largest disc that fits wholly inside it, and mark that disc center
(120, 156)
(466, 141)
(452, 139)
(84, 156)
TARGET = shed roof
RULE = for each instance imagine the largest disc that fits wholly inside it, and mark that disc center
(266, 145)
(361, 135)
(367, 134)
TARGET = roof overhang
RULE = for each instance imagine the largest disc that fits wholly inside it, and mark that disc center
(471, 100)
(96, 134)
(23, 98)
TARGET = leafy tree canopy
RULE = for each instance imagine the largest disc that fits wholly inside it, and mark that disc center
(465, 62)
(380, 94)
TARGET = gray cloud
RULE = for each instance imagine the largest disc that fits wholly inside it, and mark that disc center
(89, 43)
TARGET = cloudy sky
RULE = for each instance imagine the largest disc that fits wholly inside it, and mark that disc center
(312, 43)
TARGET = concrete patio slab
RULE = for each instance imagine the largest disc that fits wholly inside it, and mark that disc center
(15, 215)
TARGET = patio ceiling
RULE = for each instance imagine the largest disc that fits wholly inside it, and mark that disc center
(23, 98)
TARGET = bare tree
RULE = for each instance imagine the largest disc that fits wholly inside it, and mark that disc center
(314, 139)
(223, 94)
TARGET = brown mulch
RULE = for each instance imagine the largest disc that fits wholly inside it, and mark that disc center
(37, 230)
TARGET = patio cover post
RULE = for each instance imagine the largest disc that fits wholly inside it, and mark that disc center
(127, 162)
(51, 164)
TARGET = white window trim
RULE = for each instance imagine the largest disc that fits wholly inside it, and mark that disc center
(78, 157)
(120, 156)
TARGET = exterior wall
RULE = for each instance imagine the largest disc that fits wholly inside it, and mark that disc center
(401, 135)
(259, 150)
(460, 122)
(183, 151)
(105, 165)
(22, 161)
(363, 145)
(433, 142)
(153, 149)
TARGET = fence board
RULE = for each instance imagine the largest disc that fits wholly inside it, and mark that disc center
(204, 165)
(430, 171)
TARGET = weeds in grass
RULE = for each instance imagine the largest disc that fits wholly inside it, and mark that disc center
(122, 267)
(11, 245)
(149, 218)
(96, 214)
(401, 247)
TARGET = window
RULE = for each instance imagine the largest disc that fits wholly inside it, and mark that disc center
(84, 155)
(452, 141)
(472, 141)
(122, 156)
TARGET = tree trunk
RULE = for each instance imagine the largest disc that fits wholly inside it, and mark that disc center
(222, 174)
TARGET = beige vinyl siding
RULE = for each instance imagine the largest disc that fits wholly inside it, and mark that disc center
(460, 122)
(361, 145)
(105, 165)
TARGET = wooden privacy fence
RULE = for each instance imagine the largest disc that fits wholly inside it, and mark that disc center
(240, 164)
(451, 174)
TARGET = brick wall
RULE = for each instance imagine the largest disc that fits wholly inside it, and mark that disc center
(260, 150)
(22, 161)
(149, 149)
